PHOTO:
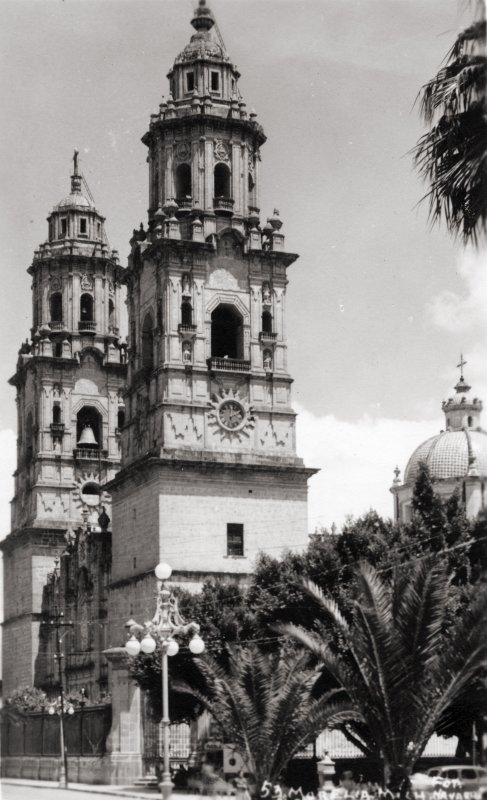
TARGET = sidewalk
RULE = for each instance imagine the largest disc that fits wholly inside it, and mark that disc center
(99, 788)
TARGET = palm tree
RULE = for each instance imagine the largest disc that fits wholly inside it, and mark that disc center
(452, 156)
(399, 668)
(265, 706)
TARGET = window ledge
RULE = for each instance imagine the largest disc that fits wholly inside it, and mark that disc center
(230, 556)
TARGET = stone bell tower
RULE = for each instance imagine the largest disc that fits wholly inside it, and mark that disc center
(210, 474)
(69, 380)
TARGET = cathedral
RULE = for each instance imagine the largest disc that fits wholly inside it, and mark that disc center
(179, 444)
(456, 457)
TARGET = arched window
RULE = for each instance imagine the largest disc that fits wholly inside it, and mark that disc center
(470, 422)
(183, 182)
(29, 437)
(58, 349)
(86, 308)
(251, 182)
(56, 413)
(56, 303)
(148, 342)
(186, 313)
(222, 181)
(120, 418)
(226, 332)
(111, 313)
(266, 322)
(89, 429)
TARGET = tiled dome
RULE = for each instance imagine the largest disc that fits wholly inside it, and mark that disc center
(450, 455)
(201, 46)
(74, 199)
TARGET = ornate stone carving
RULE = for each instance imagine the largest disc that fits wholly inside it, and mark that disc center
(221, 150)
(55, 284)
(86, 283)
(231, 416)
(182, 151)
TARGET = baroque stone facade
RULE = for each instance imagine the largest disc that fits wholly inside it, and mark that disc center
(69, 381)
(209, 474)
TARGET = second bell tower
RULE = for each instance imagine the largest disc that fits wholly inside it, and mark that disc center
(210, 474)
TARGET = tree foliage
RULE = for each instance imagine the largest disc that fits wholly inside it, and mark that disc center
(452, 155)
(266, 705)
(389, 657)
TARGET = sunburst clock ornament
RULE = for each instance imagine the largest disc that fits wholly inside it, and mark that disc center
(231, 415)
(88, 492)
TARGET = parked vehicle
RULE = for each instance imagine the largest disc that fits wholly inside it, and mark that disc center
(463, 777)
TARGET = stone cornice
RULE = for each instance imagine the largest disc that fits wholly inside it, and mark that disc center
(210, 462)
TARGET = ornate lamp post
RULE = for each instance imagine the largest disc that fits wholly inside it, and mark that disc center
(167, 622)
(61, 708)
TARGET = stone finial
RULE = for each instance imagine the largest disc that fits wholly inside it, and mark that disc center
(203, 19)
(396, 480)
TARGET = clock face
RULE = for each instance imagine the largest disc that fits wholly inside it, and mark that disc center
(231, 414)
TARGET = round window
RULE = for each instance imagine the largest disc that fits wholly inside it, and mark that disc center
(90, 493)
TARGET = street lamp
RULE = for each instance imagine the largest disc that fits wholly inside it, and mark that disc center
(61, 708)
(167, 622)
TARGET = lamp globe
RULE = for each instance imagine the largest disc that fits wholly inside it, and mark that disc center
(163, 571)
(196, 645)
(148, 644)
(172, 647)
(133, 646)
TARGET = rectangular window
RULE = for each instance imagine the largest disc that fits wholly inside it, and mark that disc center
(189, 81)
(215, 82)
(235, 539)
(83, 227)
(64, 226)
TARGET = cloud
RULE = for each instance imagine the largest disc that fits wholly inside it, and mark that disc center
(356, 461)
(457, 313)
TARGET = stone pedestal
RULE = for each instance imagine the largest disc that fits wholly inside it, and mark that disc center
(125, 743)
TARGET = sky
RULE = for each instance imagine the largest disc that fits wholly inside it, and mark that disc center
(379, 304)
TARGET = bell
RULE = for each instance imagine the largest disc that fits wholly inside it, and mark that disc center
(87, 438)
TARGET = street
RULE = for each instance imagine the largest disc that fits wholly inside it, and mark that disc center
(17, 792)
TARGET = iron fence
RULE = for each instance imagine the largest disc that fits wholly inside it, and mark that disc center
(37, 733)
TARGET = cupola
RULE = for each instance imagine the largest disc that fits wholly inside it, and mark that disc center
(75, 218)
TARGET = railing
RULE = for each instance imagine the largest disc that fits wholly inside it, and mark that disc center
(223, 204)
(37, 733)
(186, 328)
(57, 428)
(267, 335)
(57, 326)
(228, 364)
(89, 453)
(184, 203)
(87, 325)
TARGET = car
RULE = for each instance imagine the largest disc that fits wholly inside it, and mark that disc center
(464, 777)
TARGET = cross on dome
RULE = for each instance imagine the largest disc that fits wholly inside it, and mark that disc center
(461, 365)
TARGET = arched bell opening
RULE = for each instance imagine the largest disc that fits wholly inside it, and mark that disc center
(186, 313)
(111, 313)
(56, 307)
(89, 429)
(222, 181)
(266, 322)
(183, 183)
(148, 342)
(56, 413)
(86, 308)
(226, 332)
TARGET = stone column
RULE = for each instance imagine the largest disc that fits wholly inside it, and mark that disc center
(123, 760)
